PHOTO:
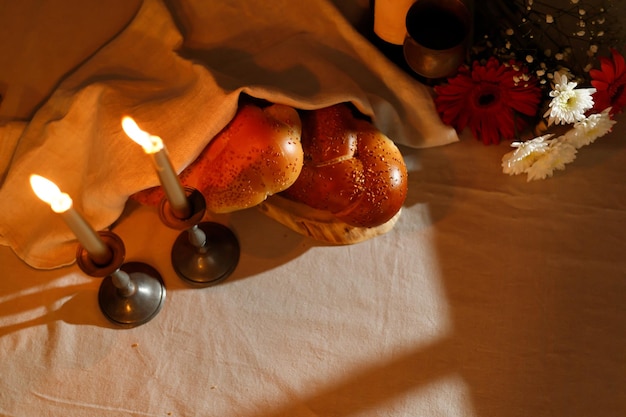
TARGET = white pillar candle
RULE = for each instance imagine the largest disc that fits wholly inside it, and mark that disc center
(390, 18)
(62, 204)
(153, 146)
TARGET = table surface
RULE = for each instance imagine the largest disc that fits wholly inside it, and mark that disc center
(492, 296)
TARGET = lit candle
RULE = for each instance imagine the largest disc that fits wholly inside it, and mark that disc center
(62, 204)
(153, 146)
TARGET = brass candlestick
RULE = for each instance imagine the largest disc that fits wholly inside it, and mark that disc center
(131, 293)
(205, 253)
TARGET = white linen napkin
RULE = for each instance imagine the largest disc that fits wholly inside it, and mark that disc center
(179, 71)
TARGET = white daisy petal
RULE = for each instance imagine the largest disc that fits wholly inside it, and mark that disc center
(591, 128)
(556, 157)
(518, 161)
(568, 104)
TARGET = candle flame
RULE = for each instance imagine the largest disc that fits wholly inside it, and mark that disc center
(149, 143)
(49, 192)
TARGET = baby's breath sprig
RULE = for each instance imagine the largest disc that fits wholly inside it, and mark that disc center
(562, 36)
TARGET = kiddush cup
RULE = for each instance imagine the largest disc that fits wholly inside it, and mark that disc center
(438, 34)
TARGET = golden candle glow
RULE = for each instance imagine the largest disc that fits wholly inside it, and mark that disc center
(153, 146)
(150, 144)
(62, 203)
(48, 192)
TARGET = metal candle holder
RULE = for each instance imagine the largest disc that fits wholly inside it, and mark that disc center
(205, 253)
(131, 293)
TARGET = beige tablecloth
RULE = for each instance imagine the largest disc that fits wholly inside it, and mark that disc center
(491, 297)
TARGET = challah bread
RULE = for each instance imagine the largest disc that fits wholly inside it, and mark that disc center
(256, 155)
(328, 174)
(350, 168)
(353, 182)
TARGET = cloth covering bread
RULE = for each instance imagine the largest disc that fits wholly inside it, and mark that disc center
(179, 69)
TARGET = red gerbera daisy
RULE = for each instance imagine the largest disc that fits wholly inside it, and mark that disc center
(486, 98)
(609, 82)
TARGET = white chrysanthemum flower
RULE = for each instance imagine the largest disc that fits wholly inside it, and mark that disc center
(589, 129)
(518, 161)
(568, 104)
(556, 157)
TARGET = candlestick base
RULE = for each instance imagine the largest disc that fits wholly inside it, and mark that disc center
(138, 293)
(206, 253)
(138, 307)
(210, 263)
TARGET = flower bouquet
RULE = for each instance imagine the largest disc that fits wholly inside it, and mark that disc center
(548, 77)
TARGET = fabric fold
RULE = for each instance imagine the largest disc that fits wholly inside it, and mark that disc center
(179, 72)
